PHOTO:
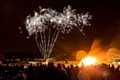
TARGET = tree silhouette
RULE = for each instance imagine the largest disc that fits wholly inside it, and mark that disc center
(80, 55)
(113, 55)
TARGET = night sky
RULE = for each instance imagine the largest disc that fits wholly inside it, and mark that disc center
(105, 26)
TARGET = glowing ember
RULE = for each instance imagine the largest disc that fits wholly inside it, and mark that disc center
(88, 61)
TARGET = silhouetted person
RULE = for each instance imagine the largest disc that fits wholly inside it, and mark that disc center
(73, 73)
(37, 72)
(82, 75)
(50, 73)
(62, 72)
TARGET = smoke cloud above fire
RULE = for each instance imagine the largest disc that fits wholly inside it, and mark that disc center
(99, 49)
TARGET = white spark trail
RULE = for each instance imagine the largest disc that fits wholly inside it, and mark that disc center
(48, 44)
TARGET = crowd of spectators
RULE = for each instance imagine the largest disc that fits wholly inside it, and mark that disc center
(59, 72)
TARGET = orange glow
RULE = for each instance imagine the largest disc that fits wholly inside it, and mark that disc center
(88, 61)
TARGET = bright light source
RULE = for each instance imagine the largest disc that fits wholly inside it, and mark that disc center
(88, 61)
(118, 62)
(114, 62)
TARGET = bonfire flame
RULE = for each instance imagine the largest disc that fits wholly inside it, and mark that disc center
(88, 61)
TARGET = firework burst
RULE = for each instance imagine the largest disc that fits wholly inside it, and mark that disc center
(41, 24)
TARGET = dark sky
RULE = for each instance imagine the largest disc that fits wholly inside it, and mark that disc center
(105, 25)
